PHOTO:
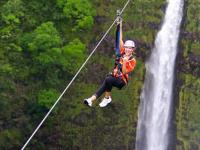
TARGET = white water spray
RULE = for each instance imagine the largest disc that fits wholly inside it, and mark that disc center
(156, 97)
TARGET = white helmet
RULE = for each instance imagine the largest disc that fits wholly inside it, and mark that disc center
(129, 43)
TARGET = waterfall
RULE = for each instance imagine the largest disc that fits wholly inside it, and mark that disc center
(155, 106)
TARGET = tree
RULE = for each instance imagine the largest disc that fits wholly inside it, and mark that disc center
(79, 12)
(47, 97)
(44, 49)
(11, 13)
(75, 54)
(45, 37)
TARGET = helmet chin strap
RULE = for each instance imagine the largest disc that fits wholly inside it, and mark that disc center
(129, 55)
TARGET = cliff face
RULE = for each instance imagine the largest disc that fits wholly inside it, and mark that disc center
(188, 80)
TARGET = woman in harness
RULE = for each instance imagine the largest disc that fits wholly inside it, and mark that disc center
(124, 64)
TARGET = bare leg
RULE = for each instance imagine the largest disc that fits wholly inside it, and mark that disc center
(93, 97)
(107, 94)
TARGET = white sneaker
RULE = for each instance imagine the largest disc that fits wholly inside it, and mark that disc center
(105, 102)
(88, 102)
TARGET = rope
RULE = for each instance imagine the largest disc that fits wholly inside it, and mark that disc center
(72, 79)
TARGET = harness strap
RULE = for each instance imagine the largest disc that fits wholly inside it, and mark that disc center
(118, 72)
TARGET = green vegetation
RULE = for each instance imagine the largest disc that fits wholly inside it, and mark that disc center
(188, 119)
(79, 13)
(47, 98)
(187, 112)
(37, 58)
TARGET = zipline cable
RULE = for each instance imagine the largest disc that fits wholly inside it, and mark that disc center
(73, 79)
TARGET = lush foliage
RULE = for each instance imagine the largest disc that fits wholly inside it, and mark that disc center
(78, 12)
(188, 126)
(187, 112)
(36, 59)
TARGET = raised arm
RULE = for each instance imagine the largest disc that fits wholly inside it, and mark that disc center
(119, 49)
(121, 40)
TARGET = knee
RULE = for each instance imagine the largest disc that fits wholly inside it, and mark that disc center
(108, 80)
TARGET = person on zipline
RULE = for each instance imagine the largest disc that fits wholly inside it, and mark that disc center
(124, 64)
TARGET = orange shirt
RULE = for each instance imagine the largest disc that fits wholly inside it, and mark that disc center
(130, 65)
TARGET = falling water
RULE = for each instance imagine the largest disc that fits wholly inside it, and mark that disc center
(155, 108)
